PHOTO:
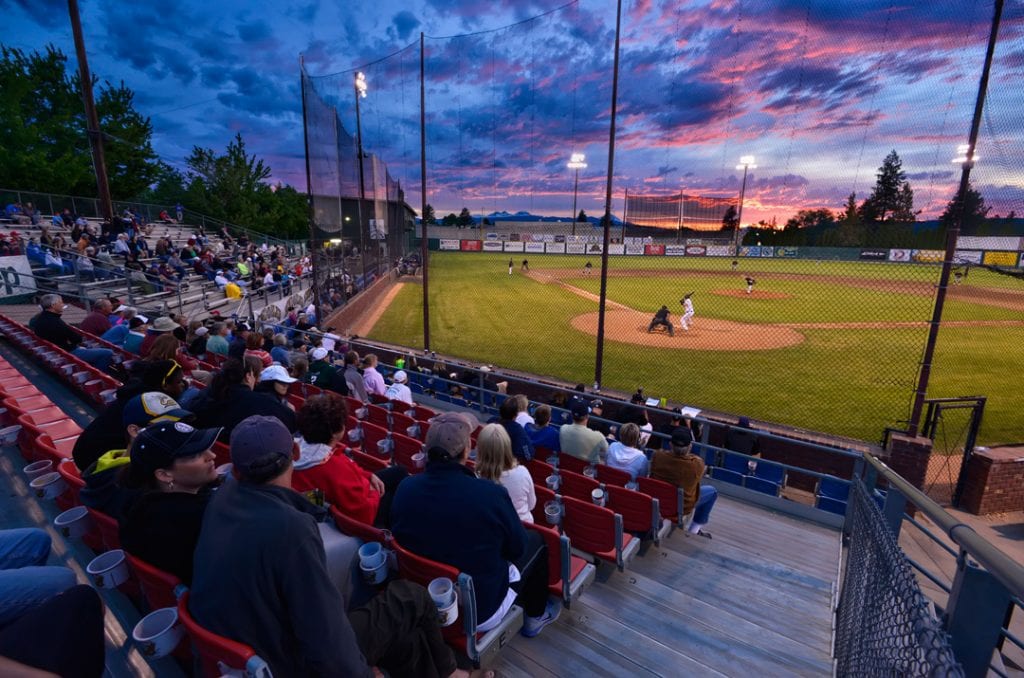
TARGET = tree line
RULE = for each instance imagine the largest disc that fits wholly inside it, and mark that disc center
(46, 149)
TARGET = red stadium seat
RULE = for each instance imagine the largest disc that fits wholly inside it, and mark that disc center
(372, 434)
(598, 531)
(568, 575)
(354, 528)
(214, 651)
(379, 416)
(108, 528)
(670, 498)
(640, 512)
(369, 462)
(159, 588)
(405, 448)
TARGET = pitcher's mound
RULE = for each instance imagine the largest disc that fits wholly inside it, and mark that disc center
(706, 334)
(756, 294)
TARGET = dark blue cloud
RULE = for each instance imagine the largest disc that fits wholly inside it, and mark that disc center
(254, 31)
(405, 22)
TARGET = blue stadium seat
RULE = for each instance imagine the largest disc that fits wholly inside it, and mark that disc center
(833, 488)
(719, 473)
(761, 485)
(770, 471)
(707, 453)
(831, 505)
(735, 463)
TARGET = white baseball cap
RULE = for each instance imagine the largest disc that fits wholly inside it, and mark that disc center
(277, 373)
(319, 353)
(400, 377)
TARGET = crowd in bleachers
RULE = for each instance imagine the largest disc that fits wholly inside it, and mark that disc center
(230, 455)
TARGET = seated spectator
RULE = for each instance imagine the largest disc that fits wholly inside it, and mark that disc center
(261, 578)
(254, 348)
(274, 383)
(299, 366)
(522, 410)
(106, 483)
(230, 398)
(119, 331)
(372, 379)
(50, 326)
(449, 515)
(398, 389)
(359, 494)
(742, 439)
(597, 421)
(174, 466)
(167, 347)
(97, 322)
(623, 453)
(682, 468)
(137, 328)
(197, 345)
(541, 433)
(579, 440)
(221, 279)
(218, 341)
(162, 325)
(280, 353)
(354, 378)
(521, 445)
(495, 462)
(239, 340)
(323, 374)
(26, 581)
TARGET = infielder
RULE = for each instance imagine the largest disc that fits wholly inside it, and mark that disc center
(510, 265)
(750, 284)
(687, 303)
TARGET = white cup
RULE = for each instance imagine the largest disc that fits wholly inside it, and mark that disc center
(413, 431)
(419, 460)
(553, 512)
(74, 522)
(48, 486)
(553, 461)
(374, 568)
(9, 434)
(598, 497)
(361, 413)
(553, 482)
(446, 616)
(158, 633)
(384, 446)
(108, 570)
(632, 485)
(590, 471)
(355, 435)
(442, 592)
(38, 468)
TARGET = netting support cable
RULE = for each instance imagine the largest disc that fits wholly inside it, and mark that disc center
(953, 231)
(309, 183)
(424, 252)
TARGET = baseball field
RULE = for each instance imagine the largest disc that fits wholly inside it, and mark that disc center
(828, 346)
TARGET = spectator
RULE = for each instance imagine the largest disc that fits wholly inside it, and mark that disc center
(174, 466)
(280, 353)
(179, 212)
(137, 328)
(449, 515)
(362, 495)
(330, 340)
(742, 439)
(197, 346)
(239, 340)
(119, 331)
(623, 453)
(218, 342)
(577, 439)
(254, 348)
(354, 378)
(541, 433)
(495, 462)
(398, 390)
(299, 366)
(161, 326)
(522, 410)
(167, 347)
(25, 579)
(684, 469)
(230, 398)
(372, 379)
(261, 578)
(50, 326)
(274, 383)
(323, 374)
(522, 448)
(597, 422)
(97, 322)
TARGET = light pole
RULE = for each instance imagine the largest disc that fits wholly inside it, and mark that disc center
(576, 162)
(746, 162)
(360, 87)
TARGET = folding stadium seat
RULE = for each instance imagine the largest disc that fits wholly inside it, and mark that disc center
(727, 476)
(109, 531)
(421, 413)
(222, 452)
(369, 462)
(404, 449)
(706, 452)
(577, 485)
(377, 399)
(670, 498)
(17, 387)
(613, 476)
(354, 528)
(571, 463)
(378, 415)
(832, 494)
(598, 531)
(219, 655)
(462, 635)
(17, 406)
(400, 423)
(768, 478)
(736, 463)
(296, 400)
(568, 575)
(373, 434)
(641, 513)
(159, 588)
(539, 471)
(763, 486)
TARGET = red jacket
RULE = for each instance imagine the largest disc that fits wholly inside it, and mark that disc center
(344, 483)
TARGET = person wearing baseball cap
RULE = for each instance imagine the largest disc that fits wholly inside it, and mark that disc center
(106, 487)
(323, 374)
(682, 468)
(230, 398)
(261, 578)
(578, 439)
(448, 514)
(398, 390)
(274, 383)
(174, 466)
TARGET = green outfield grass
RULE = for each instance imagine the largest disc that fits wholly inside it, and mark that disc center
(850, 382)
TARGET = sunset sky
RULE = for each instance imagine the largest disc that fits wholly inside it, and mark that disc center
(818, 91)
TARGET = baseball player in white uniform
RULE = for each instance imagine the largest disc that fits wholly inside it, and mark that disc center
(687, 303)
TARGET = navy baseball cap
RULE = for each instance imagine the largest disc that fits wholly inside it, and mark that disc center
(681, 437)
(260, 445)
(159, 445)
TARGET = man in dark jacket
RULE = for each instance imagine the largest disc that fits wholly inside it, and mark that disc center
(236, 349)
(323, 374)
(50, 326)
(449, 515)
(97, 322)
(260, 577)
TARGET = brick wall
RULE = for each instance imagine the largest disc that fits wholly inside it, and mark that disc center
(909, 457)
(995, 481)
(349, 314)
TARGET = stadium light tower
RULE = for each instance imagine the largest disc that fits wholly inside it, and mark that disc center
(746, 162)
(360, 87)
(577, 161)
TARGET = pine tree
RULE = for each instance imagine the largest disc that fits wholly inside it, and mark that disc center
(972, 207)
(428, 215)
(581, 217)
(465, 218)
(892, 198)
(731, 219)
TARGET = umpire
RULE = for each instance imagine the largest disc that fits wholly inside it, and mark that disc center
(661, 318)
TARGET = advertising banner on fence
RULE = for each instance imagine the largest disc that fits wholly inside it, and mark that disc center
(617, 248)
(594, 248)
(787, 252)
(534, 247)
(720, 250)
(875, 255)
(747, 251)
(967, 257)
(767, 251)
(513, 236)
(928, 256)
(575, 248)
(17, 280)
(675, 250)
(654, 250)
(471, 245)
(989, 242)
(696, 250)
(493, 246)
(514, 246)
(899, 255)
(555, 248)
(1000, 259)
(491, 236)
(1021, 264)
(634, 248)
(448, 244)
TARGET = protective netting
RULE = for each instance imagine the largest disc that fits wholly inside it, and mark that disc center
(679, 212)
(884, 625)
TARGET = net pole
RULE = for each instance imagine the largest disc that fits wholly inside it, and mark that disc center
(679, 224)
(599, 361)
(424, 249)
(954, 228)
(309, 186)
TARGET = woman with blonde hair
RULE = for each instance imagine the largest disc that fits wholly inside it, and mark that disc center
(624, 454)
(495, 462)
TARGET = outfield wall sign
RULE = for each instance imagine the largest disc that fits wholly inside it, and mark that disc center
(449, 244)
(787, 252)
(471, 245)
(617, 248)
(16, 278)
(555, 248)
(928, 256)
(675, 250)
(899, 255)
(654, 250)
(1000, 259)
(696, 250)
(967, 257)
(514, 246)
(720, 250)
(493, 246)
(575, 248)
(534, 247)
(874, 255)
(634, 248)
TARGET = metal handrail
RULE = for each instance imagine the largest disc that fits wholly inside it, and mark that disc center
(1009, 573)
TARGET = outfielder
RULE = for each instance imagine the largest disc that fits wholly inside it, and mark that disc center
(687, 303)
(750, 284)
(510, 264)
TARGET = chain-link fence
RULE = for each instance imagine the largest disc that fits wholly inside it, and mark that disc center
(884, 625)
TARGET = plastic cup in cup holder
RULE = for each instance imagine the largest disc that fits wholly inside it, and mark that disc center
(361, 413)
(373, 563)
(9, 434)
(553, 512)
(553, 460)
(38, 468)
(419, 460)
(590, 471)
(553, 482)
(355, 435)
(598, 497)
(413, 431)
(632, 485)
(74, 522)
(158, 633)
(442, 591)
(48, 486)
(108, 570)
